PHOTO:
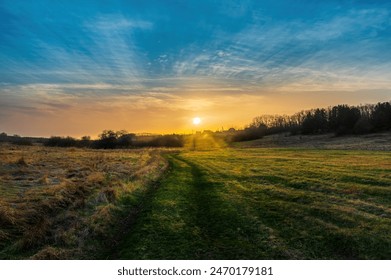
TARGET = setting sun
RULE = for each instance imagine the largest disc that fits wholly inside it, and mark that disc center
(196, 121)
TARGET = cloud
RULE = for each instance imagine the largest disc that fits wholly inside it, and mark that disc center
(355, 21)
(101, 49)
(297, 53)
(116, 22)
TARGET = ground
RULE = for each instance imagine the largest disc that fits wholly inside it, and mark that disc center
(220, 203)
(70, 203)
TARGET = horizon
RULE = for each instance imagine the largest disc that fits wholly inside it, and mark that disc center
(196, 126)
(78, 68)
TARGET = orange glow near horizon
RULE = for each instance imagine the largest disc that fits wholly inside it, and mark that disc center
(165, 113)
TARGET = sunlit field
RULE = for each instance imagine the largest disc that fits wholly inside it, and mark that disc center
(69, 203)
(221, 203)
(268, 204)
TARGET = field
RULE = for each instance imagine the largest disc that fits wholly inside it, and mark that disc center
(70, 203)
(369, 142)
(229, 203)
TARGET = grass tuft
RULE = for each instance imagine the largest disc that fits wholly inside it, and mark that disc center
(21, 161)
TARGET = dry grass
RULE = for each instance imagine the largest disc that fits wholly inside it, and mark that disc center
(55, 201)
(7, 214)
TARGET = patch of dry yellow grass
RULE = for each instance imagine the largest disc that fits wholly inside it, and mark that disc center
(54, 200)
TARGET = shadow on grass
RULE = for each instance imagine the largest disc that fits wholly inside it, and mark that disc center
(195, 214)
(189, 217)
(219, 223)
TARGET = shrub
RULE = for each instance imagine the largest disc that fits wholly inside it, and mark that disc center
(167, 141)
(56, 141)
(22, 142)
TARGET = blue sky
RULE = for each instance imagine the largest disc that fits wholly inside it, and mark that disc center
(78, 67)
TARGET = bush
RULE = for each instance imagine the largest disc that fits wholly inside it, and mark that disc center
(110, 139)
(22, 142)
(170, 141)
(56, 141)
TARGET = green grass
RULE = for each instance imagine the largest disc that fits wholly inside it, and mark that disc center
(267, 204)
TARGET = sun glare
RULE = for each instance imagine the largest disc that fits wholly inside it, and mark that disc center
(196, 121)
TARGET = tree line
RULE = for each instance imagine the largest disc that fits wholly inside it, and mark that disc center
(110, 139)
(340, 119)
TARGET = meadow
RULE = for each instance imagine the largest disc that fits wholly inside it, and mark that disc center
(268, 204)
(220, 203)
(68, 203)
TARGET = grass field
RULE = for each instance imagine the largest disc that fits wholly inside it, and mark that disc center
(230, 203)
(268, 204)
(61, 203)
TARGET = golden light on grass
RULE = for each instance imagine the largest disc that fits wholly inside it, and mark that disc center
(196, 121)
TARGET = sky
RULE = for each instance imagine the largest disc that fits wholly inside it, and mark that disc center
(79, 67)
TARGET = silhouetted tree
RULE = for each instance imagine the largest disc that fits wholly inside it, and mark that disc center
(251, 132)
(315, 121)
(85, 141)
(381, 116)
(107, 140)
(343, 118)
(340, 119)
(125, 140)
(363, 126)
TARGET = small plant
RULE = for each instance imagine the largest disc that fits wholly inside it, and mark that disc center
(7, 215)
(44, 180)
(21, 161)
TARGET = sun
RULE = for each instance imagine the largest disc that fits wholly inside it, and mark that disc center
(196, 121)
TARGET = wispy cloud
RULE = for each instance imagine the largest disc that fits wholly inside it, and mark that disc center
(353, 22)
(104, 51)
(296, 52)
(116, 22)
